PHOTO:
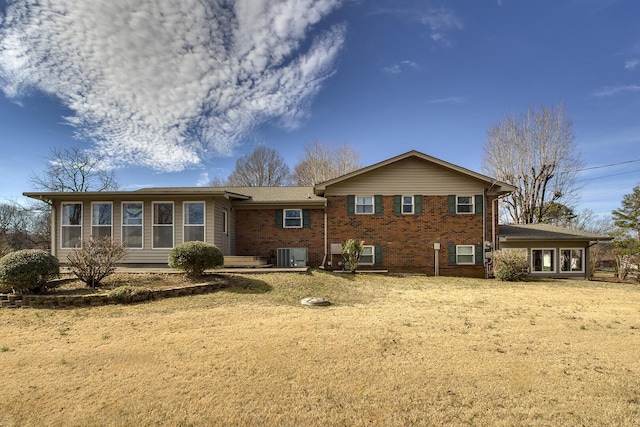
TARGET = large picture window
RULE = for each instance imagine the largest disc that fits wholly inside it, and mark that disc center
(194, 215)
(162, 225)
(101, 219)
(543, 260)
(364, 204)
(132, 215)
(71, 233)
(571, 260)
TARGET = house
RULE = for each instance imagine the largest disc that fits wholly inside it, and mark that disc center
(413, 213)
(552, 251)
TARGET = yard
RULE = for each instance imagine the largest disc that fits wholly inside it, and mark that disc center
(390, 351)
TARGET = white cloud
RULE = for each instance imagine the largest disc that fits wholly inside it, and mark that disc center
(616, 90)
(631, 64)
(203, 179)
(165, 83)
(441, 21)
(400, 67)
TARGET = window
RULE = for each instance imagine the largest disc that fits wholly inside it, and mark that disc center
(162, 225)
(225, 221)
(407, 204)
(194, 215)
(464, 204)
(292, 218)
(542, 260)
(571, 260)
(465, 254)
(101, 219)
(364, 205)
(71, 235)
(132, 213)
(367, 256)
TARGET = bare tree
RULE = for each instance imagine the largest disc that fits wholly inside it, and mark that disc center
(218, 182)
(264, 167)
(74, 169)
(322, 163)
(536, 153)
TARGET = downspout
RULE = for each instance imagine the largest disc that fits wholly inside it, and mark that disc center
(484, 233)
(324, 259)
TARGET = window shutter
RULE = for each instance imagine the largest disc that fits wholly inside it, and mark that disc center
(377, 205)
(479, 255)
(452, 254)
(417, 201)
(279, 216)
(397, 205)
(351, 205)
(306, 218)
(452, 205)
(377, 250)
(479, 204)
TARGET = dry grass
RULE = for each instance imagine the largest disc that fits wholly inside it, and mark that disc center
(391, 351)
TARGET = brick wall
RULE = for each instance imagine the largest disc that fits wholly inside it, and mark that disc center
(407, 240)
(257, 234)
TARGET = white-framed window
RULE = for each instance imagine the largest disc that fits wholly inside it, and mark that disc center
(292, 218)
(71, 224)
(464, 204)
(102, 219)
(364, 204)
(572, 260)
(225, 221)
(162, 227)
(132, 224)
(543, 260)
(407, 204)
(194, 221)
(465, 254)
(367, 256)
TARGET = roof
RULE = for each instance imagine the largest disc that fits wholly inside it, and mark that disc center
(521, 232)
(499, 187)
(278, 195)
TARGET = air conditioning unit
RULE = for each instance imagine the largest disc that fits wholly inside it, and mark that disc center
(292, 257)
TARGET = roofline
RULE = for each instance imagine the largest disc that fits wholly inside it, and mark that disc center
(321, 187)
(175, 191)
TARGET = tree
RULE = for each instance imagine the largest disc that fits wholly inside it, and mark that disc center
(322, 163)
(75, 169)
(628, 216)
(264, 167)
(536, 153)
(627, 236)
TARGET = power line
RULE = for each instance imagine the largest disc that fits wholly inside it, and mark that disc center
(608, 166)
(607, 176)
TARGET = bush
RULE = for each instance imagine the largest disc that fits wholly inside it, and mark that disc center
(195, 257)
(95, 259)
(510, 264)
(351, 250)
(29, 270)
(128, 294)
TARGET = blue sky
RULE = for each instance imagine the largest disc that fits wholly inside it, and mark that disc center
(174, 91)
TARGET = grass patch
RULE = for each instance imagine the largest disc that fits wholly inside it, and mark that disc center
(410, 350)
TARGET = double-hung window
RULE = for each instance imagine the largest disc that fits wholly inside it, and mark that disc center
(71, 234)
(464, 204)
(407, 205)
(465, 254)
(367, 255)
(101, 219)
(292, 218)
(543, 260)
(364, 204)
(162, 225)
(132, 214)
(194, 215)
(571, 260)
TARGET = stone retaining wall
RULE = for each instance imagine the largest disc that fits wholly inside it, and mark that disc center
(65, 301)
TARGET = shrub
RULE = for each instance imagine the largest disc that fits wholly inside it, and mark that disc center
(351, 250)
(510, 264)
(29, 270)
(95, 259)
(195, 257)
(127, 294)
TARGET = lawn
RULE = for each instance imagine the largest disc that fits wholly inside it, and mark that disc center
(391, 351)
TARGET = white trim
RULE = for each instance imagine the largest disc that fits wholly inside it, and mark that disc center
(63, 226)
(582, 260)
(553, 260)
(154, 225)
(458, 204)
(123, 225)
(355, 205)
(403, 204)
(284, 219)
(184, 219)
(473, 254)
(100, 225)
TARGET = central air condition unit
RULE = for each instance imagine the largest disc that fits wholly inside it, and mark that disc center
(292, 257)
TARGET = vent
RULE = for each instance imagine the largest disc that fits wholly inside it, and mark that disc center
(292, 257)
